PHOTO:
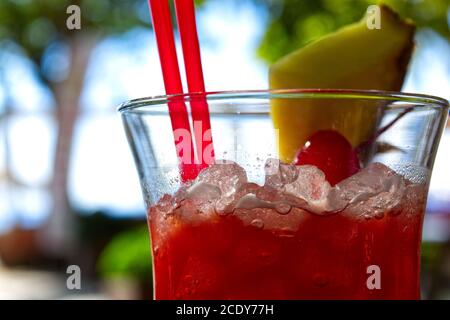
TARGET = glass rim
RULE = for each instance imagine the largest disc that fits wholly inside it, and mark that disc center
(158, 100)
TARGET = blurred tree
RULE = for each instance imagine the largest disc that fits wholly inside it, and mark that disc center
(293, 23)
(37, 30)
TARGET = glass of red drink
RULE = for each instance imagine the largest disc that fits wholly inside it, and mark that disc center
(341, 219)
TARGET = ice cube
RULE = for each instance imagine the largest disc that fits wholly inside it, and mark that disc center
(310, 184)
(304, 187)
(226, 205)
(251, 201)
(203, 192)
(372, 191)
(214, 184)
(227, 177)
(278, 173)
(203, 196)
(376, 178)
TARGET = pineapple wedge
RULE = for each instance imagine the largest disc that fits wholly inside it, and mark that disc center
(354, 57)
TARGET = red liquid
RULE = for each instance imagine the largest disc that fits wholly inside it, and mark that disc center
(326, 257)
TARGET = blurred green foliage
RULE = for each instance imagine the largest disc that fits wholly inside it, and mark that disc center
(431, 254)
(293, 23)
(127, 255)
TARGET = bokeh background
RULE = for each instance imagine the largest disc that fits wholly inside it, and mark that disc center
(69, 192)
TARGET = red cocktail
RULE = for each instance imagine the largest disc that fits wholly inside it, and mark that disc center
(342, 221)
(272, 248)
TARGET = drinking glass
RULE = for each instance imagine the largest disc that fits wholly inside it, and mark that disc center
(253, 225)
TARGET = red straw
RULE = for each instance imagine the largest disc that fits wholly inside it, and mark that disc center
(185, 11)
(162, 26)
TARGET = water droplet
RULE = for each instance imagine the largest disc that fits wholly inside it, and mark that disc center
(367, 216)
(283, 208)
(258, 223)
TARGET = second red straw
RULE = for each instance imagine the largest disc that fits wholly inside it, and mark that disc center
(185, 12)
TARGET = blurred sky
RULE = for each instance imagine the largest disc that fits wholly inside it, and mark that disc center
(102, 174)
